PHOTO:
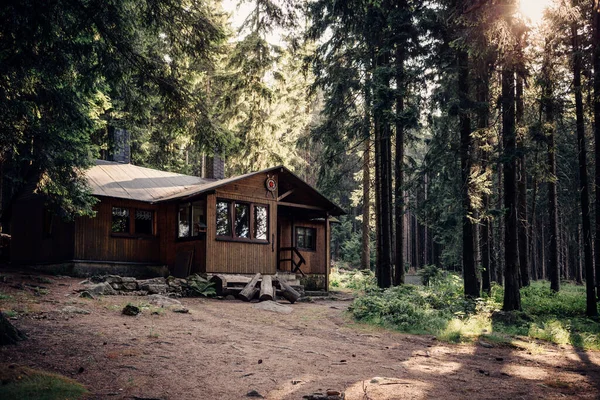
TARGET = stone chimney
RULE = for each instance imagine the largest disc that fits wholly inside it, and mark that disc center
(119, 145)
(214, 167)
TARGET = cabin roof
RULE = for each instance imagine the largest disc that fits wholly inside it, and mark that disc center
(126, 181)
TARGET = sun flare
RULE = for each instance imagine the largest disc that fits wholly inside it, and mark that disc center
(533, 10)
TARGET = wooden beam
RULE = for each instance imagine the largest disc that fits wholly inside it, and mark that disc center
(305, 206)
(267, 291)
(286, 194)
(288, 292)
(250, 290)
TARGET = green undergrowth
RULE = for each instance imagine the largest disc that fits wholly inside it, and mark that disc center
(24, 383)
(440, 309)
(356, 280)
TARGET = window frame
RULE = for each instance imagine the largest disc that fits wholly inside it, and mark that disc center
(202, 231)
(231, 209)
(314, 235)
(131, 232)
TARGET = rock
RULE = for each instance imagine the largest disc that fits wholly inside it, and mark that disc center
(86, 295)
(131, 310)
(128, 279)
(153, 281)
(154, 288)
(273, 306)
(162, 301)
(230, 297)
(113, 279)
(254, 393)
(485, 344)
(74, 310)
(176, 282)
(102, 288)
(130, 286)
(331, 392)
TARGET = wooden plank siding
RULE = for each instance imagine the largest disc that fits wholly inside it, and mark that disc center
(240, 257)
(94, 240)
(170, 245)
(30, 244)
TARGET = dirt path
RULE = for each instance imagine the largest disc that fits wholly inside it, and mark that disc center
(224, 349)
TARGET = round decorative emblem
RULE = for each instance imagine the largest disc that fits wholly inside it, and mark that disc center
(270, 184)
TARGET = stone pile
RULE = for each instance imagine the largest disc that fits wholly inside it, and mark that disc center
(193, 286)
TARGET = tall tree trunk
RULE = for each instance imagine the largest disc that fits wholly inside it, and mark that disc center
(553, 255)
(365, 257)
(381, 109)
(399, 166)
(591, 309)
(472, 283)
(532, 247)
(596, 56)
(522, 181)
(500, 244)
(482, 96)
(512, 295)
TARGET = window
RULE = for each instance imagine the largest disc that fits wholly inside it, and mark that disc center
(144, 222)
(191, 220)
(242, 221)
(260, 222)
(223, 222)
(306, 238)
(245, 221)
(120, 220)
(184, 222)
(198, 219)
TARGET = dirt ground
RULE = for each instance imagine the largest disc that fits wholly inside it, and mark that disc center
(225, 349)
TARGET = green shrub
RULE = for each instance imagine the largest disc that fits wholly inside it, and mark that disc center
(441, 309)
(354, 279)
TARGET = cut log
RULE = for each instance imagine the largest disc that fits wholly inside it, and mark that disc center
(266, 288)
(250, 290)
(220, 284)
(288, 292)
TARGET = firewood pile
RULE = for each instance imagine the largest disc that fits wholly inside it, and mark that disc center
(261, 287)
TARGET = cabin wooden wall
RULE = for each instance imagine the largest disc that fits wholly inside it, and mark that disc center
(316, 261)
(94, 240)
(170, 245)
(242, 257)
(29, 244)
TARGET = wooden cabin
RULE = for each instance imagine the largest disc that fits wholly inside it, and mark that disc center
(265, 221)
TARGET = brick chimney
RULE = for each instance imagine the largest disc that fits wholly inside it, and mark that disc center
(214, 167)
(119, 144)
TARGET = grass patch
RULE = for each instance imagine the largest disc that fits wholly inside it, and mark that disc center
(440, 309)
(25, 383)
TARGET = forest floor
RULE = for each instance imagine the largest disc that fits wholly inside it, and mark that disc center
(225, 349)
